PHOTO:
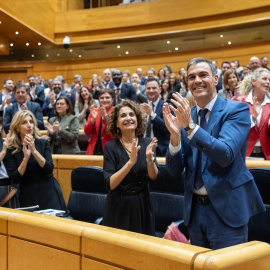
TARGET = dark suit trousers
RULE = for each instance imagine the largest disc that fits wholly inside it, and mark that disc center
(206, 229)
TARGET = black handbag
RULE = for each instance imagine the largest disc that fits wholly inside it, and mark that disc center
(7, 198)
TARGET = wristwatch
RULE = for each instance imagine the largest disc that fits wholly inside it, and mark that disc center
(152, 160)
(191, 125)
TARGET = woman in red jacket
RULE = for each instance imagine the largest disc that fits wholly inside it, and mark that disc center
(97, 123)
(255, 89)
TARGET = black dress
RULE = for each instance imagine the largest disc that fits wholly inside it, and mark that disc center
(37, 186)
(129, 205)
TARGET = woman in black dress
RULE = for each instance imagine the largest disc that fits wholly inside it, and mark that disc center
(129, 164)
(29, 163)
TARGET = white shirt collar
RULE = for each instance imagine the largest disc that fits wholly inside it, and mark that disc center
(249, 99)
(209, 106)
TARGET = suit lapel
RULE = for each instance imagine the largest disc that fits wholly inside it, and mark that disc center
(194, 116)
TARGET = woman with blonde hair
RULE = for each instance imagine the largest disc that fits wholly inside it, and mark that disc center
(255, 92)
(231, 85)
(29, 163)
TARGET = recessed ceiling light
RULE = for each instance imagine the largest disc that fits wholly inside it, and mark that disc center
(169, 50)
(27, 44)
(221, 36)
(118, 46)
(58, 54)
(39, 43)
(32, 55)
(168, 42)
(229, 43)
(127, 52)
(0, 22)
(176, 48)
(80, 56)
(71, 50)
(17, 33)
(47, 55)
(11, 44)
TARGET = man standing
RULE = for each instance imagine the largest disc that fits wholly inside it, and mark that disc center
(264, 62)
(22, 104)
(135, 80)
(36, 91)
(122, 90)
(224, 67)
(49, 103)
(155, 122)
(254, 63)
(75, 89)
(6, 97)
(220, 192)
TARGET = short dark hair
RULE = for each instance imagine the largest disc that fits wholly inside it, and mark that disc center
(198, 60)
(70, 108)
(141, 119)
(8, 79)
(106, 90)
(19, 85)
(151, 79)
(226, 62)
(30, 76)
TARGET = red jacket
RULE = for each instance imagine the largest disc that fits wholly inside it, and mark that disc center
(262, 133)
(93, 130)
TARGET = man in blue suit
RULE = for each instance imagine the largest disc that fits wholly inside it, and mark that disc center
(155, 122)
(209, 142)
(6, 97)
(22, 104)
(122, 90)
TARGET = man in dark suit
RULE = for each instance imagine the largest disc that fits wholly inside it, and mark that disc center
(224, 67)
(209, 142)
(122, 90)
(141, 97)
(22, 104)
(6, 97)
(75, 89)
(155, 122)
(49, 103)
(36, 91)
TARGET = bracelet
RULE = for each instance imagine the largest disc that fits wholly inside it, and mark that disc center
(152, 161)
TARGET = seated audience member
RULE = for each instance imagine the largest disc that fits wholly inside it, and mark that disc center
(29, 164)
(49, 103)
(142, 79)
(122, 90)
(155, 122)
(96, 125)
(6, 96)
(225, 65)
(255, 91)
(22, 103)
(150, 74)
(4, 180)
(175, 87)
(36, 91)
(254, 63)
(246, 70)
(135, 80)
(231, 85)
(82, 106)
(264, 62)
(129, 165)
(161, 75)
(168, 70)
(63, 129)
(166, 92)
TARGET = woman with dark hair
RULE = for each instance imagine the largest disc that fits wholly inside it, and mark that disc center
(129, 164)
(82, 106)
(168, 70)
(29, 163)
(255, 92)
(63, 129)
(175, 87)
(165, 88)
(97, 122)
(231, 85)
(161, 75)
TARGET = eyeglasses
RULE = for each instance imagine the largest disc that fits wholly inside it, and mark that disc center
(60, 104)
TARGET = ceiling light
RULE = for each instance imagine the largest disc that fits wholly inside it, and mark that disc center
(47, 55)
(17, 33)
(118, 46)
(32, 55)
(11, 44)
(80, 56)
(58, 54)
(0, 22)
(27, 44)
(221, 36)
(71, 50)
(229, 43)
(39, 43)
(127, 52)
(168, 42)
(176, 48)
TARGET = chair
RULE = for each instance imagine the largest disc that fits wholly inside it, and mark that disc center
(83, 142)
(259, 225)
(88, 195)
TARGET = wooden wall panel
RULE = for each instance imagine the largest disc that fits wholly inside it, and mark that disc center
(31, 256)
(15, 75)
(3, 252)
(94, 265)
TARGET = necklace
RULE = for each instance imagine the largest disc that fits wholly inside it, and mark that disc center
(125, 146)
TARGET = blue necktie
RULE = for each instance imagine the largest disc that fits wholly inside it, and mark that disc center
(198, 176)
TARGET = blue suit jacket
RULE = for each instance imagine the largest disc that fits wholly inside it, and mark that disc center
(230, 185)
(13, 100)
(39, 92)
(128, 92)
(32, 106)
(160, 130)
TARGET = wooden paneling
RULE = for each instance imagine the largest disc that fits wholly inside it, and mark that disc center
(25, 255)
(15, 75)
(3, 252)
(94, 265)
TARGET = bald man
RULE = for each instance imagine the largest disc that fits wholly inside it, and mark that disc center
(254, 63)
